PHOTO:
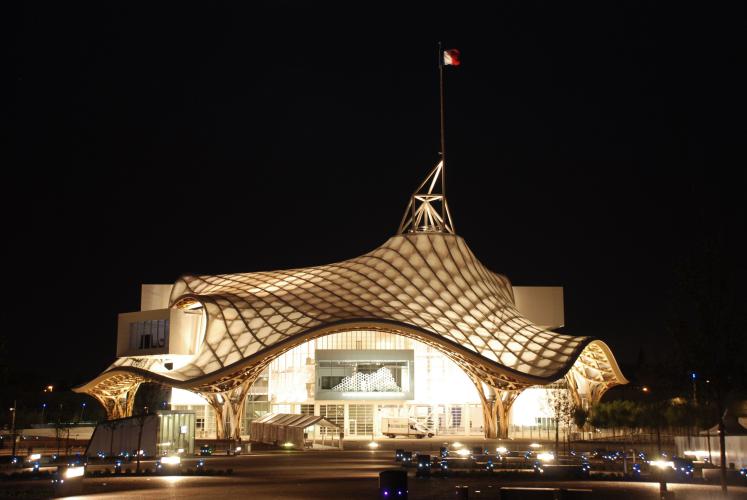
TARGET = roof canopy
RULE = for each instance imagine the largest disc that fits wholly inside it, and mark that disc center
(295, 421)
(284, 429)
(425, 284)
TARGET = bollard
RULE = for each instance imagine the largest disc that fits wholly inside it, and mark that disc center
(424, 466)
(393, 485)
(663, 495)
(68, 481)
(462, 492)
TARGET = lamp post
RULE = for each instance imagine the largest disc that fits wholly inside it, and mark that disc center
(44, 409)
(82, 409)
(13, 428)
(694, 376)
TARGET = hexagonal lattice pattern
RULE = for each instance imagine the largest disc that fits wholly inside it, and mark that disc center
(430, 281)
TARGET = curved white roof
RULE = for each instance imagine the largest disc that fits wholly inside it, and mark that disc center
(426, 285)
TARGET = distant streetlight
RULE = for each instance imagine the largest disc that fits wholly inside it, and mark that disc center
(644, 389)
(13, 429)
(44, 409)
(83, 408)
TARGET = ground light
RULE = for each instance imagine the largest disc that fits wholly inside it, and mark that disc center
(373, 445)
(456, 445)
(288, 445)
(502, 450)
(72, 472)
(662, 464)
(171, 460)
(463, 452)
(535, 445)
(546, 457)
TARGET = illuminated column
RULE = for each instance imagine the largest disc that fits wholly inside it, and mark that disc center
(573, 388)
(117, 401)
(496, 405)
(217, 402)
(229, 406)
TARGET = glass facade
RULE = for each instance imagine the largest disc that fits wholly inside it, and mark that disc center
(149, 334)
(257, 402)
(176, 432)
(364, 374)
(356, 378)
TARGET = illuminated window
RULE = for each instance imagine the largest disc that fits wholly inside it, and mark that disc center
(149, 334)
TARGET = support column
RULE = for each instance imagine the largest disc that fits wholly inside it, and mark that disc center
(572, 385)
(229, 405)
(118, 403)
(496, 405)
(216, 402)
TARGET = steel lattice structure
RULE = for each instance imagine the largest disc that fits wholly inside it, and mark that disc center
(425, 285)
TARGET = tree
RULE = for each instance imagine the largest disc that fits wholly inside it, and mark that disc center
(599, 416)
(561, 406)
(652, 415)
(580, 417)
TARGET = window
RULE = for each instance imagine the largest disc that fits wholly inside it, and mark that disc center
(307, 409)
(149, 334)
(360, 419)
(334, 413)
(362, 376)
(328, 382)
(456, 416)
(257, 402)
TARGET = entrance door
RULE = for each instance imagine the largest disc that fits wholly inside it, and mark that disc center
(360, 418)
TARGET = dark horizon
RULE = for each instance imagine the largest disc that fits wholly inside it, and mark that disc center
(596, 148)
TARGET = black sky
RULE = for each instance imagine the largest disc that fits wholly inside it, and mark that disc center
(590, 146)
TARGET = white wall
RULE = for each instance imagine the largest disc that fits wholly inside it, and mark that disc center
(154, 297)
(736, 448)
(542, 305)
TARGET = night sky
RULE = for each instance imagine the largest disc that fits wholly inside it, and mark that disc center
(591, 146)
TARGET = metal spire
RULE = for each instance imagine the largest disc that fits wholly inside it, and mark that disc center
(423, 213)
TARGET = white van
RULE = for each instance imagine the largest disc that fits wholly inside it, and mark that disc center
(402, 426)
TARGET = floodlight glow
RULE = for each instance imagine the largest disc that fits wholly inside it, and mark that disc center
(535, 445)
(456, 444)
(463, 452)
(502, 450)
(697, 453)
(74, 472)
(373, 445)
(662, 464)
(34, 456)
(288, 445)
(171, 460)
(546, 457)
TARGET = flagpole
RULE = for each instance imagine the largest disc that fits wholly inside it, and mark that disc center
(443, 133)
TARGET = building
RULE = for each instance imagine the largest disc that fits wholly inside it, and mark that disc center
(417, 327)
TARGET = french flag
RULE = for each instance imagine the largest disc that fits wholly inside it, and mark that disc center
(451, 57)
